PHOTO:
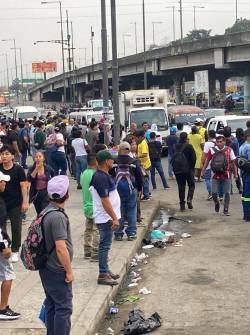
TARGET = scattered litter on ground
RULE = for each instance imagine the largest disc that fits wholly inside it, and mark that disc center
(110, 331)
(135, 280)
(141, 257)
(149, 246)
(186, 235)
(179, 219)
(132, 285)
(145, 291)
(178, 244)
(129, 298)
(137, 324)
(113, 310)
(135, 274)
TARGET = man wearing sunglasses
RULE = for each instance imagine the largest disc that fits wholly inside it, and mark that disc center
(222, 158)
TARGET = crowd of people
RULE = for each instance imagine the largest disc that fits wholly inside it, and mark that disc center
(112, 180)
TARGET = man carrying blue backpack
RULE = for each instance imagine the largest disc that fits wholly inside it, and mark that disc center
(128, 177)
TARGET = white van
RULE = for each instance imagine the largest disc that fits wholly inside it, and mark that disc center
(218, 123)
(86, 116)
(25, 113)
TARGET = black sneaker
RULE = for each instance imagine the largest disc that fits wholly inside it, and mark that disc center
(8, 314)
(79, 187)
(132, 237)
(217, 207)
(145, 198)
(226, 213)
(190, 205)
(118, 238)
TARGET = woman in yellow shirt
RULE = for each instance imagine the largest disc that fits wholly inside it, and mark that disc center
(196, 141)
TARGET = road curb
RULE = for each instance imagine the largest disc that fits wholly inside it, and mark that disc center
(94, 312)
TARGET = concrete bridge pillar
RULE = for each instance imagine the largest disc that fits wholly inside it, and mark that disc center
(247, 93)
(212, 88)
(222, 82)
(177, 89)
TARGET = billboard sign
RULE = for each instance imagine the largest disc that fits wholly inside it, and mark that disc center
(201, 82)
(44, 67)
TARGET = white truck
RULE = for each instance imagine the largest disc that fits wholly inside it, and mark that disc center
(146, 105)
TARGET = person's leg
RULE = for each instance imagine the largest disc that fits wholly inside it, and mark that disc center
(58, 302)
(131, 215)
(181, 182)
(14, 215)
(207, 178)
(62, 162)
(78, 169)
(161, 173)
(170, 167)
(120, 230)
(106, 235)
(227, 189)
(138, 210)
(24, 158)
(152, 171)
(5, 293)
(215, 190)
(88, 237)
(84, 164)
(95, 240)
(191, 188)
(146, 186)
(246, 195)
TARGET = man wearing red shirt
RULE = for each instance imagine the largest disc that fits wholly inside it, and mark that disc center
(221, 178)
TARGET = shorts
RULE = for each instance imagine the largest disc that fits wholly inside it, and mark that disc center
(6, 269)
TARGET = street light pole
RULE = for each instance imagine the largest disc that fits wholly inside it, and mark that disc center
(153, 24)
(14, 44)
(195, 7)
(92, 60)
(115, 74)
(144, 46)
(124, 43)
(62, 43)
(105, 75)
(173, 9)
(181, 19)
(7, 73)
(73, 62)
(136, 41)
(236, 9)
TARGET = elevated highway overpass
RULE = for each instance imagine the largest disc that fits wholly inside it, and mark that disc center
(224, 56)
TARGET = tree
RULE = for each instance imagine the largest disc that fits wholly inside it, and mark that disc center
(196, 35)
(239, 25)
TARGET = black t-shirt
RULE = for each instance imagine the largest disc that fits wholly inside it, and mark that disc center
(155, 149)
(13, 194)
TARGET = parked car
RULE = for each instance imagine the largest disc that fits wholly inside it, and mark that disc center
(218, 123)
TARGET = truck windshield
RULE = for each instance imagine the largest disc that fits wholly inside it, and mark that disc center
(187, 118)
(27, 115)
(151, 116)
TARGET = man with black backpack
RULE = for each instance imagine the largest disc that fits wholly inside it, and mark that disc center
(128, 177)
(221, 157)
(183, 163)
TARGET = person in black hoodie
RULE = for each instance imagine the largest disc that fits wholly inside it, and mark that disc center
(127, 174)
(185, 173)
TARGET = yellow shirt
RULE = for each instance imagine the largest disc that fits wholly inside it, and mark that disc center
(143, 149)
(202, 132)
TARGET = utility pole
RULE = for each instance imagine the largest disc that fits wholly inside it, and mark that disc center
(8, 79)
(69, 55)
(105, 78)
(73, 62)
(173, 22)
(136, 40)
(144, 46)
(195, 7)
(115, 74)
(236, 10)
(181, 19)
(92, 60)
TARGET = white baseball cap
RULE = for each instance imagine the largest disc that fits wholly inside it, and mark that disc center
(4, 177)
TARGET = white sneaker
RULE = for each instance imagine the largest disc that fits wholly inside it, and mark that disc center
(14, 257)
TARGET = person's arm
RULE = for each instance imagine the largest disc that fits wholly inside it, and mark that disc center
(25, 202)
(208, 159)
(86, 146)
(33, 173)
(64, 258)
(15, 146)
(109, 210)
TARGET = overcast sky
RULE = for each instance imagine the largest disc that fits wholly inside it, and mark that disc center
(28, 21)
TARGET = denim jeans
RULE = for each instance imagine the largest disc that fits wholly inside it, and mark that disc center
(106, 235)
(156, 165)
(146, 184)
(129, 212)
(246, 195)
(170, 166)
(59, 163)
(24, 156)
(207, 178)
(81, 165)
(58, 303)
(217, 186)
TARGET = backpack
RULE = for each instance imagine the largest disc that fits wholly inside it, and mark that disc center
(51, 143)
(33, 253)
(125, 179)
(154, 152)
(219, 161)
(179, 162)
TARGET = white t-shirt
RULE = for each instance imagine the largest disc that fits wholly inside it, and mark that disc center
(207, 146)
(59, 137)
(79, 146)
